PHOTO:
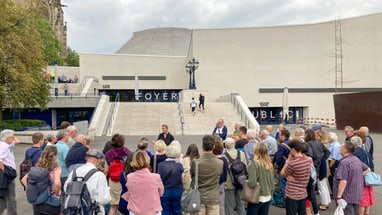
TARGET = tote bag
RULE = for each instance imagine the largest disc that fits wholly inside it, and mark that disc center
(190, 200)
(251, 194)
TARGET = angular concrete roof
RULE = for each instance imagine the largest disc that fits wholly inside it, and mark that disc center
(159, 41)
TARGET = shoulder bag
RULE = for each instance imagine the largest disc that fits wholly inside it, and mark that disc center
(252, 194)
(190, 200)
(372, 179)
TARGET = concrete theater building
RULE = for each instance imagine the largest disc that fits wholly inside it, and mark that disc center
(314, 61)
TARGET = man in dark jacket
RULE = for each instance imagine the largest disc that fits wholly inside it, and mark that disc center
(77, 153)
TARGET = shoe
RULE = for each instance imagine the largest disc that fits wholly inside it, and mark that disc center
(323, 207)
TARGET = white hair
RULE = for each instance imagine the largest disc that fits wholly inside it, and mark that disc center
(300, 131)
(333, 136)
(71, 128)
(251, 134)
(357, 141)
(229, 143)
(6, 133)
(173, 150)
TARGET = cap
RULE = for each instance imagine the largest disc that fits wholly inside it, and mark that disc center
(316, 127)
(94, 153)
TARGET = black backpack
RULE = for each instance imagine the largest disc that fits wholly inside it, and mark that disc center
(238, 170)
(26, 164)
(77, 196)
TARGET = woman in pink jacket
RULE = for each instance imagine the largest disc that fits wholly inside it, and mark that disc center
(144, 188)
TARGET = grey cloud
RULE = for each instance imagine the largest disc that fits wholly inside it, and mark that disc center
(102, 26)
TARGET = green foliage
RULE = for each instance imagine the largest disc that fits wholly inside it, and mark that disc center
(22, 84)
(73, 58)
(19, 125)
(51, 44)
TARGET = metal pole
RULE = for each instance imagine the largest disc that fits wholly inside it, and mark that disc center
(190, 84)
(55, 79)
(193, 77)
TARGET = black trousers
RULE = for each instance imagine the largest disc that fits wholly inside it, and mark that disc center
(294, 207)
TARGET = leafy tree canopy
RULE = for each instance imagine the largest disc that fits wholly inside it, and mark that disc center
(73, 58)
(50, 42)
(22, 84)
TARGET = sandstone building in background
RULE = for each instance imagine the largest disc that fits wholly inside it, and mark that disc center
(55, 15)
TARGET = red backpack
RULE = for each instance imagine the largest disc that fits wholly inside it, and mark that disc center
(116, 167)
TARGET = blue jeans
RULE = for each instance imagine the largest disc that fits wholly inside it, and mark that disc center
(258, 209)
(171, 201)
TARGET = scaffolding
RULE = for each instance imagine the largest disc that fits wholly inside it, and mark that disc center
(339, 81)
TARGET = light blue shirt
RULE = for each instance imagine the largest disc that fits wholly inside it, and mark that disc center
(271, 145)
(249, 151)
(335, 151)
(62, 150)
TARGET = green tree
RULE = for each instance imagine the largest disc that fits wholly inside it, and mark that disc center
(22, 84)
(51, 44)
(73, 58)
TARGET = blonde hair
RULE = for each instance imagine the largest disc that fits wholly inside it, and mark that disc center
(47, 159)
(261, 155)
(323, 137)
(160, 145)
(140, 160)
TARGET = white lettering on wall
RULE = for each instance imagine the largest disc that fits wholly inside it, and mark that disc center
(148, 96)
(174, 96)
(156, 96)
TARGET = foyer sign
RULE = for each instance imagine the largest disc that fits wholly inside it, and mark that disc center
(158, 95)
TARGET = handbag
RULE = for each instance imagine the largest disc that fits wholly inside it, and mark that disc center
(190, 200)
(251, 194)
(372, 179)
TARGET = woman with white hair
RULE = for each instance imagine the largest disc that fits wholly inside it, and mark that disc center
(171, 172)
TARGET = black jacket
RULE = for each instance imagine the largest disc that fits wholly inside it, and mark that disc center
(6, 176)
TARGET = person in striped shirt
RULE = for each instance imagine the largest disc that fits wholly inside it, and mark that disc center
(297, 172)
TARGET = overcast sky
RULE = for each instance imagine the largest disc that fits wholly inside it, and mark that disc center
(103, 26)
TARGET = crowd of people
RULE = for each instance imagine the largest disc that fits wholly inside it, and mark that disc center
(289, 169)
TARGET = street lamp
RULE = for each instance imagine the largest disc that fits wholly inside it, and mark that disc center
(191, 66)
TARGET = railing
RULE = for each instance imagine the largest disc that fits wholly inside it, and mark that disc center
(181, 116)
(242, 109)
(74, 95)
(112, 116)
(83, 83)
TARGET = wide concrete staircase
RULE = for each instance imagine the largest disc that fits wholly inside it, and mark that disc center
(205, 121)
(146, 118)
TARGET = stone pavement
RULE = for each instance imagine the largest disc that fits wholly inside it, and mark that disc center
(25, 208)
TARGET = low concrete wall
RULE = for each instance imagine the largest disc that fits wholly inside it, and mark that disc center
(25, 137)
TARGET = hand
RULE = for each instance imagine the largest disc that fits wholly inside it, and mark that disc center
(339, 202)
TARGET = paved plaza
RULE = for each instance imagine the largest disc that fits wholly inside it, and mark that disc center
(25, 208)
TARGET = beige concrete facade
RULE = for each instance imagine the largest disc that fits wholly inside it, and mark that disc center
(248, 60)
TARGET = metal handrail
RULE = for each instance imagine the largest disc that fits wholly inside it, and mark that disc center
(111, 118)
